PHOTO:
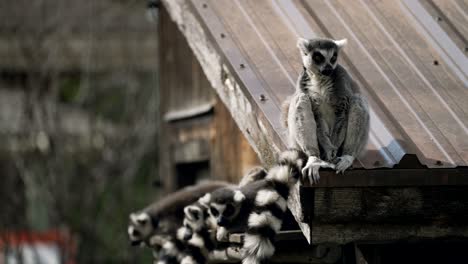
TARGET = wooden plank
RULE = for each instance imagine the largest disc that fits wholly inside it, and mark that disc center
(255, 47)
(166, 163)
(343, 234)
(188, 87)
(177, 115)
(451, 17)
(412, 206)
(394, 177)
(231, 154)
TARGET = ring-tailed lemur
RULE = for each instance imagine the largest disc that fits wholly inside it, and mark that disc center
(193, 242)
(197, 225)
(256, 208)
(165, 216)
(327, 117)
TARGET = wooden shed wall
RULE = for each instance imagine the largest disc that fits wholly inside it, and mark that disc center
(197, 130)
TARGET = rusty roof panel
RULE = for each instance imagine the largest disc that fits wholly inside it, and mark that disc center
(408, 57)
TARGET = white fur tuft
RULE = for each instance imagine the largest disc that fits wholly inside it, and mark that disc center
(279, 173)
(197, 241)
(238, 196)
(265, 197)
(289, 155)
(282, 203)
(188, 260)
(302, 44)
(341, 43)
(222, 234)
(181, 233)
(143, 217)
(264, 219)
(133, 217)
(170, 248)
(257, 248)
(205, 200)
(130, 232)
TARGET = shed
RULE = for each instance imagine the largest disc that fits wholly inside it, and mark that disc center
(409, 59)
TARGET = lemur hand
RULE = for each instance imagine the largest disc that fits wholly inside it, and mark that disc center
(343, 163)
(222, 234)
(311, 169)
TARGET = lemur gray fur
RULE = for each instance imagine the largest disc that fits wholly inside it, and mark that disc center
(254, 174)
(327, 117)
(256, 208)
(163, 217)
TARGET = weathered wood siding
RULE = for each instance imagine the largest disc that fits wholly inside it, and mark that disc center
(196, 128)
(183, 85)
(232, 154)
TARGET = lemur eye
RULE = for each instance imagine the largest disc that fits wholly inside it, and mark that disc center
(136, 233)
(142, 221)
(318, 57)
(229, 210)
(195, 214)
(214, 211)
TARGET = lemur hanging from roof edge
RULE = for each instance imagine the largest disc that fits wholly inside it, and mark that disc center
(326, 117)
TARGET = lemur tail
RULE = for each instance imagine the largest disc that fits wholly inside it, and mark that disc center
(270, 205)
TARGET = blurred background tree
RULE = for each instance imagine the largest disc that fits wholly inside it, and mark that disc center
(78, 120)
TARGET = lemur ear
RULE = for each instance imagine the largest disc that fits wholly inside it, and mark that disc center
(139, 219)
(191, 212)
(341, 43)
(238, 196)
(205, 200)
(303, 45)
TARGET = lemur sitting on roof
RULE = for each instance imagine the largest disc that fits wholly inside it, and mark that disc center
(327, 117)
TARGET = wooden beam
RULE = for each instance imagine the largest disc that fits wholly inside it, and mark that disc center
(393, 177)
(192, 112)
(375, 233)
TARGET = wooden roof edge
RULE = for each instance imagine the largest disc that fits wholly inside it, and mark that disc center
(243, 108)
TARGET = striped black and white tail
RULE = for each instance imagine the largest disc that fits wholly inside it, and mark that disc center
(269, 207)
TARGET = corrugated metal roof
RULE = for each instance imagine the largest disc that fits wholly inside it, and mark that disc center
(409, 58)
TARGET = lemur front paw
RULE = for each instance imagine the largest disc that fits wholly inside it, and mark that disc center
(343, 163)
(311, 169)
(222, 234)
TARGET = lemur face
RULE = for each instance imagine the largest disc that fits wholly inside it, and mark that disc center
(140, 228)
(224, 205)
(194, 221)
(320, 55)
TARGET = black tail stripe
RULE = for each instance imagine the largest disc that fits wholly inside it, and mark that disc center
(275, 210)
(280, 187)
(207, 239)
(195, 253)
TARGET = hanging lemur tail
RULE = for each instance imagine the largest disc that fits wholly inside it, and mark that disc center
(270, 205)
